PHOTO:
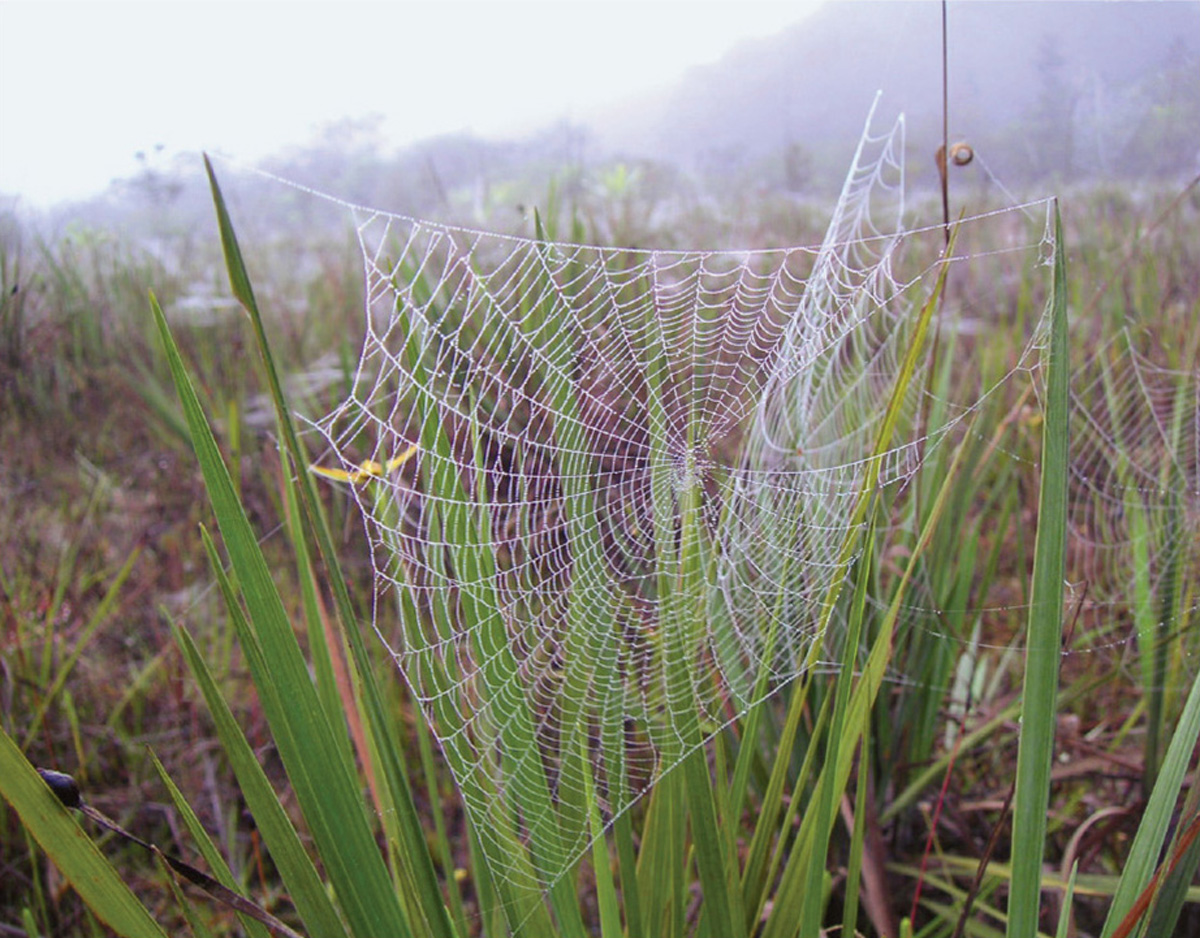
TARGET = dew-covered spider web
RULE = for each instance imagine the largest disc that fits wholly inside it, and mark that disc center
(1135, 487)
(610, 494)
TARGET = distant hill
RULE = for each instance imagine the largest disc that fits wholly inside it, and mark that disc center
(1057, 88)
(1046, 92)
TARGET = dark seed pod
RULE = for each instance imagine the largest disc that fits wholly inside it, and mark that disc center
(63, 786)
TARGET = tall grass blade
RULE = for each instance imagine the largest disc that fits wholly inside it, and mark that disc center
(1173, 891)
(810, 921)
(789, 894)
(1157, 817)
(413, 848)
(627, 867)
(1167, 606)
(857, 836)
(326, 786)
(1044, 646)
(606, 890)
(212, 856)
(1064, 915)
(296, 870)
(662, 860)
(69, 847)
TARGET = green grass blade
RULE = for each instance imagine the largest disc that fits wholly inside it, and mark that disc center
(212, 856)
(295, 868)
(662, 860)
(627, 866)
(857, 838)
(1064, 916)
(722, 899)
(325, 785)
(69, 847)
(789, 895)
(1156, 819)
(433, 789)
(1044, 645)
(413, 847)
(761, 864)
(1167, 606)
(831, 789)
(319, 640)
(606, 890)
(1173, 892)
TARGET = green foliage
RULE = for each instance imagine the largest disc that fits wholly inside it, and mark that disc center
(1044, 644)
(365, 833)
(73, 852)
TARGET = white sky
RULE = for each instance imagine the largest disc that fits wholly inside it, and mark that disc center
(84, 86)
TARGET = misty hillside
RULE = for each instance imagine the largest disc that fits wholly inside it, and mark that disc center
(1047, 93)
(1040, 89)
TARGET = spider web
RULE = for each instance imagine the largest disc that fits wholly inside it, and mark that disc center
(608, 492)
(1135, 488)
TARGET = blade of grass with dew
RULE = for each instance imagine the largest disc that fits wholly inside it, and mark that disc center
(325, 785)
(296, 870)
(1035, 750)
(419, 863)
(70, 849)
